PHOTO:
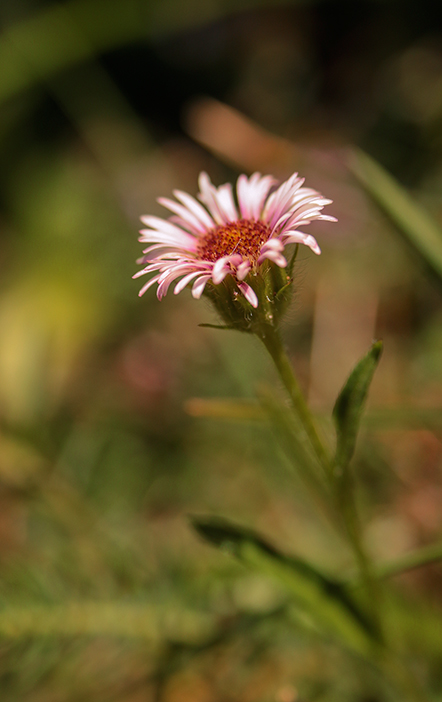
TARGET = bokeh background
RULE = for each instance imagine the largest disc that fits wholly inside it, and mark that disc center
(107, 440)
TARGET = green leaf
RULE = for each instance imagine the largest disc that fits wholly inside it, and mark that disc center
(348, 409)
(412, 220)
(325, 601)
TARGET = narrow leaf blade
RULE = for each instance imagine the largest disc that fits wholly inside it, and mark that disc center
(349, 406)
(326, 601)
(411, 219)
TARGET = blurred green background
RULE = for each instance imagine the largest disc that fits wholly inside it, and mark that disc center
(106, 594)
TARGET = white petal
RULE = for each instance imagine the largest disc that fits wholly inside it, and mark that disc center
(218, 201)
(279, 202)
(242, 191)
(259, 194)
(207, 196)
(226, 204)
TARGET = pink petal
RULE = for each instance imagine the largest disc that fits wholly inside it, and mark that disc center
(207, 196)
(149, 284)
(199, 285)
(297, 237)
(218, 201)
(195, 207)
(220, 269)
(184, 281)
(226, 203)
(243, 270)
(252, 193)
(249, 294)
(274, 244)
(274, 256)
(188, 217)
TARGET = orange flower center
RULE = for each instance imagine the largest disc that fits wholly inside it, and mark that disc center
(244, 237)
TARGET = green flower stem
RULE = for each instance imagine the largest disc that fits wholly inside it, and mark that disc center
(272, 341)
(394, 669)
(350, 521)
(343, 493)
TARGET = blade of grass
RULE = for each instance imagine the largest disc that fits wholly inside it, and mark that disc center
(420, 230)
(325, 600)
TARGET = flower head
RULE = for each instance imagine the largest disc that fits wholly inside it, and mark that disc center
(227, 238)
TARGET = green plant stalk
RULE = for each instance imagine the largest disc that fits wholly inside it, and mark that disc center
(345, 502)
(400, 677)
(272, 341)
(344, 499)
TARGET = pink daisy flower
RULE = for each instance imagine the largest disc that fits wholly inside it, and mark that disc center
(225, 237)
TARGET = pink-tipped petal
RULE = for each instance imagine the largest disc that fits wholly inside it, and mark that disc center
(249, 294)
(195, 207)
(207, 196)
(202, 242)
(242, 189)
(184, 215)
(273, 244)
(298, 237)
(226, 203)
(220, 270)
(184, 281)
(148, 285)
(327, 218)
(199, 285)
(273, 256)
(243, 270)
(252, 193)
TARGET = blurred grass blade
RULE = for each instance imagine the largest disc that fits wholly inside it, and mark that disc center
(325, 601)
(411, 219)
(348, 408)
(151, 622)
(233, 409)
(248, 409)
(410, 561)
(297, 448)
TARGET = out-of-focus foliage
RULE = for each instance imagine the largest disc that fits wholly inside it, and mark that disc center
(106, 593)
